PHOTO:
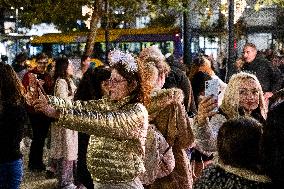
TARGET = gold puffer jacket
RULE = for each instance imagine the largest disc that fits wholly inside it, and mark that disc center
(118, 132)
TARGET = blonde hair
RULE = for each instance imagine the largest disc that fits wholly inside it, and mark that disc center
(146, 74)
(230, 103)
(151, 63)
(250, 45)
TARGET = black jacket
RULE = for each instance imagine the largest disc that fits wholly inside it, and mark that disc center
(12, 121)
(269, 76)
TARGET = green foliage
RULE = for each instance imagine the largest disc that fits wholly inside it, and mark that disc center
(162, 21)
(240, 28)
(162, 5)
(259, 3)
(164, 13)
(125, 11)
(65, 13)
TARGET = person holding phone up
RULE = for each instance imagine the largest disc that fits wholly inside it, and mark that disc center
(203, 85)
(243, 97)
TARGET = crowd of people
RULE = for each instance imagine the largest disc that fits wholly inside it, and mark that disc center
(143, 122)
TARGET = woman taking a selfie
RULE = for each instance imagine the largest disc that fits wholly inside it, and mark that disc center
(117, 126)
(243, 97)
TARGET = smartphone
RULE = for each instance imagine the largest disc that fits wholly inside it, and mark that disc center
(212, 89)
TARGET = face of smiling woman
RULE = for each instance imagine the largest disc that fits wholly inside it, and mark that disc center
(249, 95)
(118, 86)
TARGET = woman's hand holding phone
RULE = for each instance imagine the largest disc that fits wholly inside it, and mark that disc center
(206, 109)
(212, 90)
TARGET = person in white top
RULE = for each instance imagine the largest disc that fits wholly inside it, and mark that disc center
(64, 142)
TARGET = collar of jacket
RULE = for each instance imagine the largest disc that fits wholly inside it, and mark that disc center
(242, 172)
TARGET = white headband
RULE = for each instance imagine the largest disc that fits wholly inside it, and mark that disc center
(119, 57)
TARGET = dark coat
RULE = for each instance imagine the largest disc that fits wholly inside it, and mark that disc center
(216, 177)
(12, 121)
(268, 75)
